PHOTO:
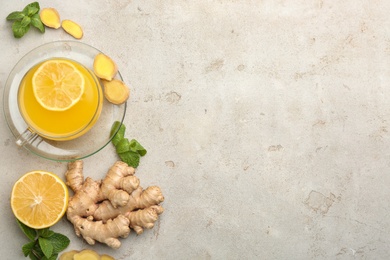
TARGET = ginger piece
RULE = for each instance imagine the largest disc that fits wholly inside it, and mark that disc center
(105, 210)
(72, 28)
(116, 91)
(119, 183)
(106, 257)
(104, 67)
(50, 17)
(68, 255)
(86, 254)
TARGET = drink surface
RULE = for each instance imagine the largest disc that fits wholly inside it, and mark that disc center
(61, 125)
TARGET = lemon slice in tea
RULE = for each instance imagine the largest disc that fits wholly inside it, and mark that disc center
(58, 84)
(39, 199)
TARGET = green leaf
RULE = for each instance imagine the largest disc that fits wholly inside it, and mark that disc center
(31, 9)
(19, 30)
(123, 146)
(46, 232)
(36, 252)
(37, 23)
(29, 232)
(34, 257)
(53, 257)
(131, 158)
(135, 146)
(120, 133)
(27, 248)
(25, 21)
(46, 246)
(15, 16)
(59, 242)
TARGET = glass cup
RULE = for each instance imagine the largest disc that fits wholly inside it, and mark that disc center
(59, 125)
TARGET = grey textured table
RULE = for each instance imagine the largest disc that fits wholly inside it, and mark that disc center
(266, 125)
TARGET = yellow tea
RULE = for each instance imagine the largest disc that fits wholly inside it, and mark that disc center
(61, 125)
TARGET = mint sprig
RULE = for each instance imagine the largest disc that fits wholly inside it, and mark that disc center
(22, 20)
(128, 151)
(44, 244)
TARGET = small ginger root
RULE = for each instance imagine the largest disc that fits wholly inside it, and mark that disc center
(50, 17)
(116, 91)
(104, 67)
(72, 28)
(106, 210)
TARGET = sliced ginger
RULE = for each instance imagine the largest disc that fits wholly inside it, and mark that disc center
(106, 257)
(72, 28)
(68, 255)
(116, 91)
(86, 254)
(50, 17)
(104, 67)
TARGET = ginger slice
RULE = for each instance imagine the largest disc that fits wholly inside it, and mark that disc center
(106, 257)
(104, 67)
(116, 91)
(50, 17)
(68, 255)
(72, 28)
(86, 254)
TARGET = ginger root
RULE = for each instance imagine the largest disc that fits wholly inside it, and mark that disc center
(104, 67)
(116, 91)
(50, 17)
(72, 28)
(105, 210)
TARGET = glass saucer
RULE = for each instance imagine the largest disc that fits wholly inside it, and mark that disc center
(86, 145)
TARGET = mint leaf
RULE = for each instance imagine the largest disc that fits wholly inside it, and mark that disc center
(53, 257)
(46, 246)
(45, 233)
(123, 146)
(25, 21)
(59, 242)
(27, 248)
(137, 147)
(37, 23)
(31, 9)
(29, 232)
(15, 16)
(131, 158)
(119, 129)
(36, 254)
(19, 30)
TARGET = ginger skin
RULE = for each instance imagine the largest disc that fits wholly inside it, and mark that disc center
(105, 210)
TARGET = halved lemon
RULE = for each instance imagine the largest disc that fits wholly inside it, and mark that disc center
(57, 84)
(39, 199)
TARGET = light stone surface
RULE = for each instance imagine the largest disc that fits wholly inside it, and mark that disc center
(266, 124)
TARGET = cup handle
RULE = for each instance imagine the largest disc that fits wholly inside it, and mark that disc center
(27, 136)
